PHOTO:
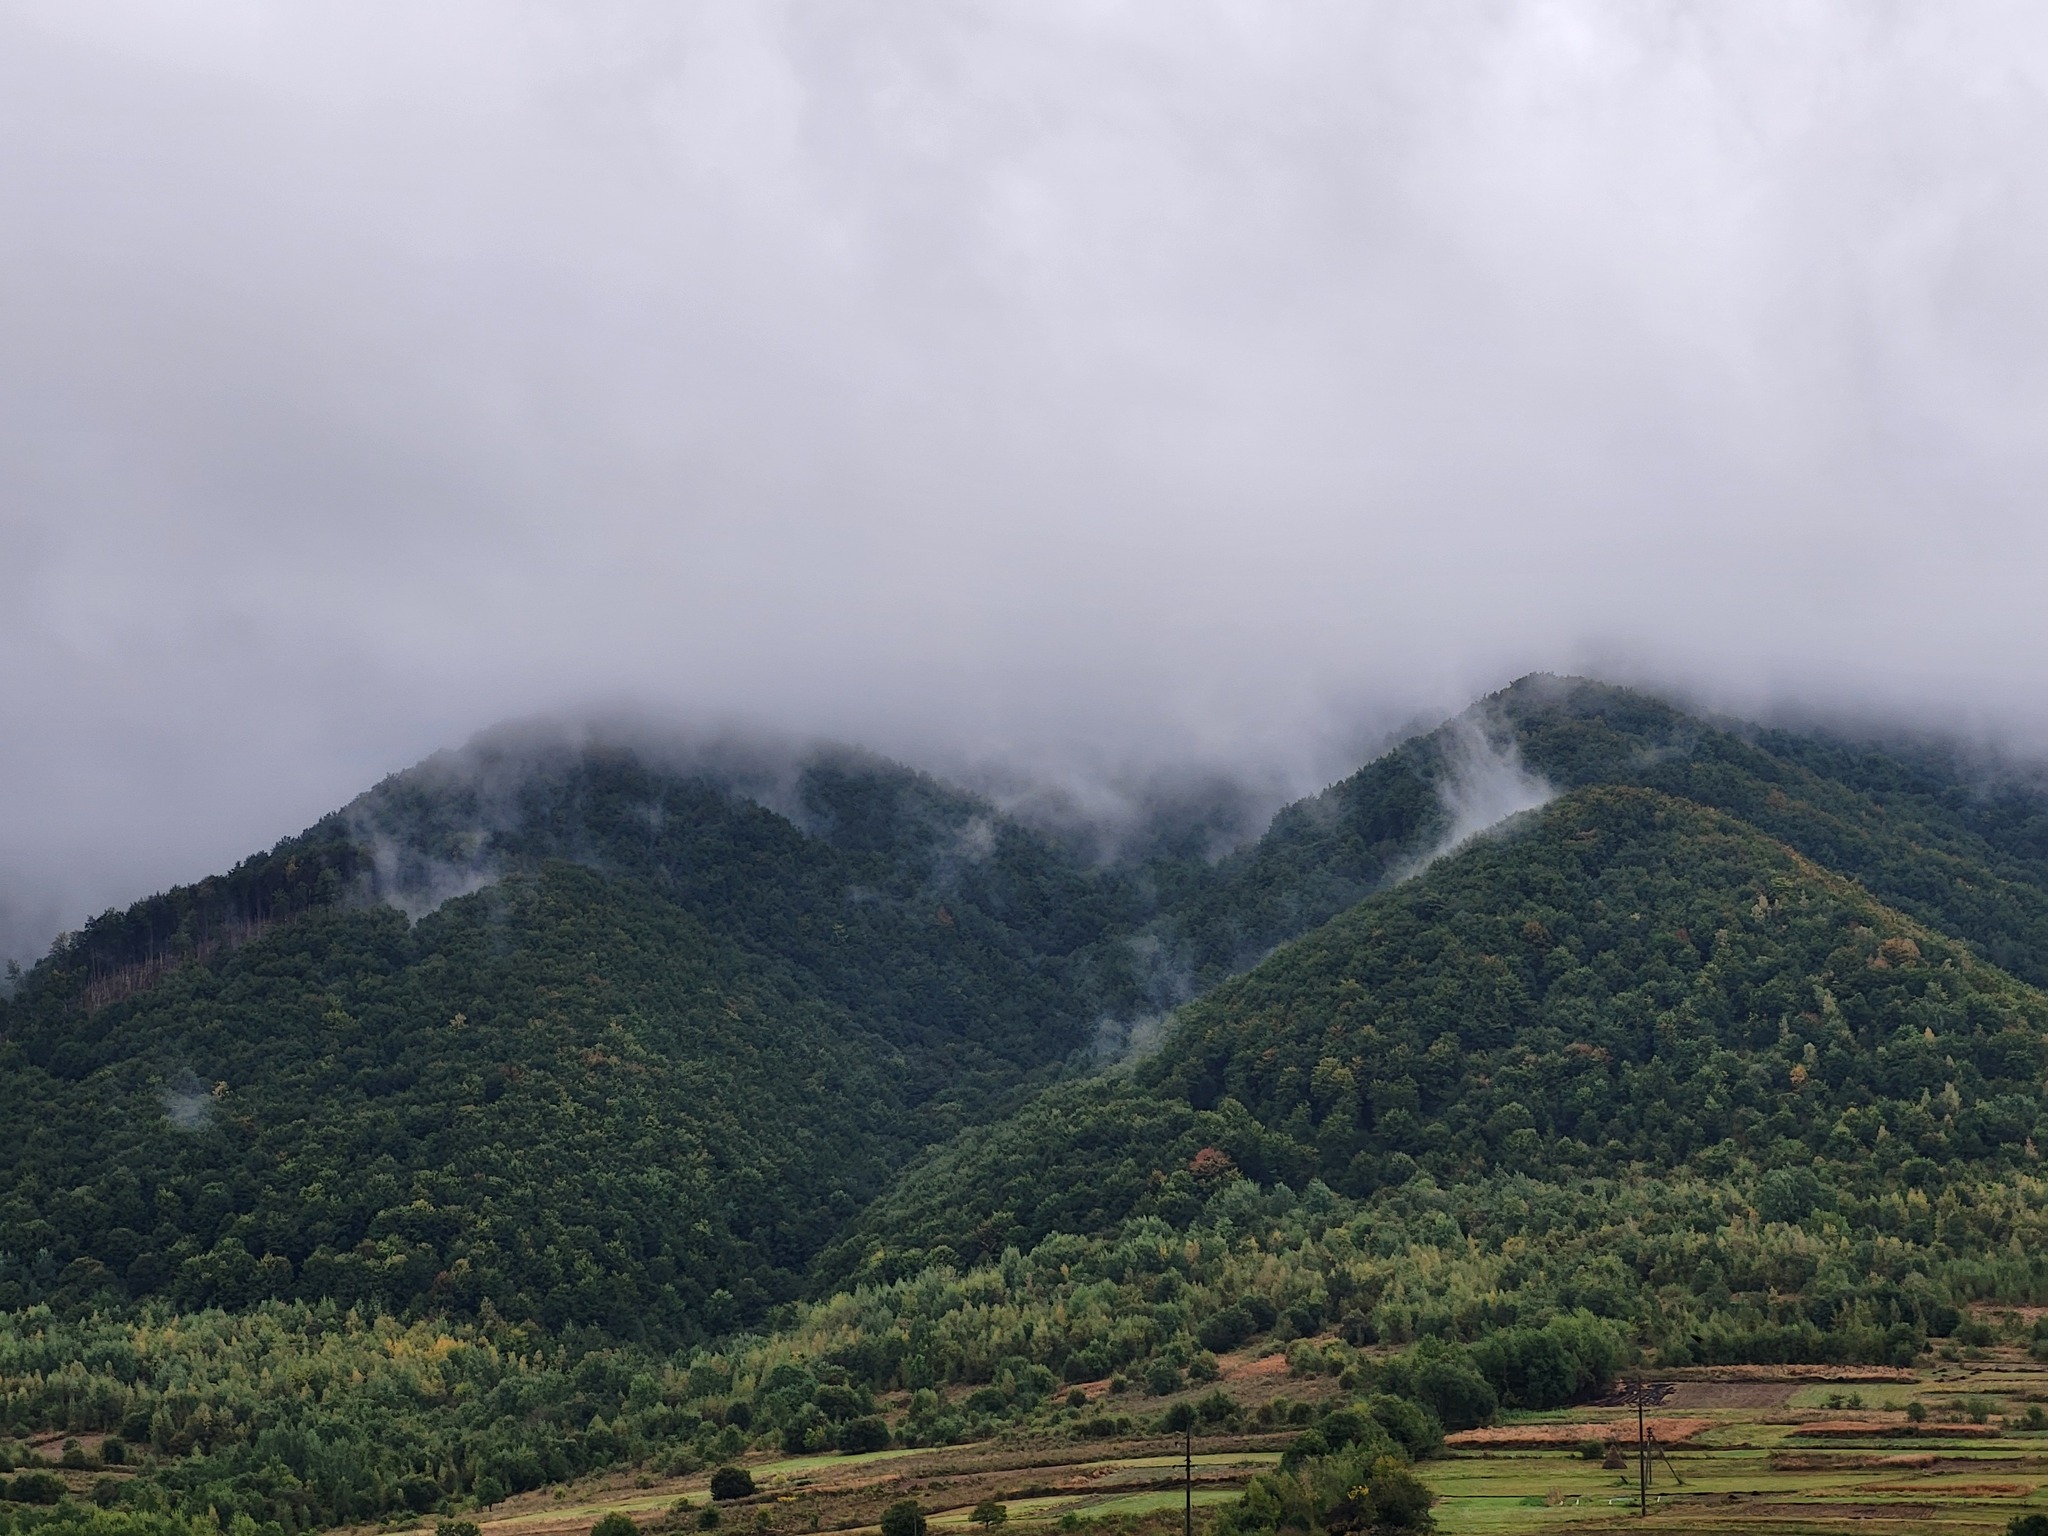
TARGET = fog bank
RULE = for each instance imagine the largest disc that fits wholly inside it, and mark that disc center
(1072, 388)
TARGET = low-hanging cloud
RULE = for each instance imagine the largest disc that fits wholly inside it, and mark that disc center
(1483, 786)
(1068, 385)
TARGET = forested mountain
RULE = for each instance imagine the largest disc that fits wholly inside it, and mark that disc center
(1630, 980)
(634, 1080)
(649, 1102)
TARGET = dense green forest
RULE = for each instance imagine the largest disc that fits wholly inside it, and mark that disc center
(1631, 981)
(560, 1105)
(635, 1081)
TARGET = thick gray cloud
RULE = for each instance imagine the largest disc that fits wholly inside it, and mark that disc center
(1070, 383)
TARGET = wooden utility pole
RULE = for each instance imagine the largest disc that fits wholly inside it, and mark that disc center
(1642, 1454)
(1188, 1481)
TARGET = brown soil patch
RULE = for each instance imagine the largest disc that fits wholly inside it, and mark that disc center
(1562, 1437)
(1821, 1461)
(1802, 1373)
(1817, 1512)
(1955, 1490)
(1845, 1428)
(1237, 1368)
(1731, 1394)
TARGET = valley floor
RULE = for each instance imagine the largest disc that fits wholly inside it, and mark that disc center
(1770, 1451)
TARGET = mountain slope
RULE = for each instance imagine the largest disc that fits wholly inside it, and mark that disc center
(711, 997)
(1627, 979)
(634, 1080)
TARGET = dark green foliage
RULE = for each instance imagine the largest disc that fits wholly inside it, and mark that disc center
(2027, 1525)
(680, 1035)
(1712, 1059)
(1448, 1384)
(732, 1483)
(1363, 1487)
(615, 1523)
(1413, 1427)
(1630, 980)
(36, 1488)
(903, 1518)
(868, 1434)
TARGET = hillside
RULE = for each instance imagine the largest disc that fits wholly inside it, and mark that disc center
(1627, 980)
(665, 1044)
(565, 1104)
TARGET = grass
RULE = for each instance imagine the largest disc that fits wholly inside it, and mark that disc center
(1750, 1473)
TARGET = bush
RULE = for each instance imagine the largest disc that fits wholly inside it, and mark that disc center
(615, 1523)
(1548, 1367)
(113, 1451)
(1396, 1499)
(859, 1435)
(1216, 1408)
(37, 1488)
(731, 1483)
(471, 1528)
(1457, 1394)
(1223, 1331)
(903, 1518)
(1414, 1428)
(707, 1518)
(2027, 1525)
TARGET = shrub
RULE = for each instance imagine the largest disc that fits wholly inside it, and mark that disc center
(859, 1435)
(1396, 1499)
(903, 1518)
(730, 1482)
(37, 1488)
(707, 1518)
(615, 1523)
(1216, 1407)
(1223, 1331)
(471, 1528)
(2027, 1525)
(1414, 1428)
(988, 1514)
(113, 1451)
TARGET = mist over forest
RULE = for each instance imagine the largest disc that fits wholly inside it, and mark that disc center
(1159, 768)
(1090, 392)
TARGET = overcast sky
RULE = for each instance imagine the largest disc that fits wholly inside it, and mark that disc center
(1076, 384)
